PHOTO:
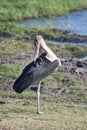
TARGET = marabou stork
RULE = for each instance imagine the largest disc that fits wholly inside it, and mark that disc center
(42, 66)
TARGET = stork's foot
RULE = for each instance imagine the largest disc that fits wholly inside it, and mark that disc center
(40, 112)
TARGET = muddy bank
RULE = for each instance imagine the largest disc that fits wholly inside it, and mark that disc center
(72, 38)
(74, 68)
(62, 37)
(5, 35)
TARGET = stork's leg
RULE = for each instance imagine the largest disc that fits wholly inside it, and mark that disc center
(38, 99)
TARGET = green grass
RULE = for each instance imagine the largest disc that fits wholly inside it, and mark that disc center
(20, 113)
(15, 29)
(18, 10)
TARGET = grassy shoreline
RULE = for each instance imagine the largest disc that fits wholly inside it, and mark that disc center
(17, 10)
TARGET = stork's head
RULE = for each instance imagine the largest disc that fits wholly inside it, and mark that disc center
(38, 40)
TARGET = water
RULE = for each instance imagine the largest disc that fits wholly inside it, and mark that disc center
(56, 43)
(75, 22)
(84, 58)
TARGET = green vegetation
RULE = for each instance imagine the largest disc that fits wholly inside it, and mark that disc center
(7, 71)
(18, 10)
(18, 113)
(15, 29)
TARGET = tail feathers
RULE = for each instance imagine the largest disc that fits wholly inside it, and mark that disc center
(21, 84)
(25, 79)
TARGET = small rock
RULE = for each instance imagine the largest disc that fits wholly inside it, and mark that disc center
(77, 71)
(80, 64)
(2, 102)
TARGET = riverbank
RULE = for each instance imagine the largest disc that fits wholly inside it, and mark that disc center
(53, 35)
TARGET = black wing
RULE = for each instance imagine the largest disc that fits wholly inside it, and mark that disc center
(34, 72)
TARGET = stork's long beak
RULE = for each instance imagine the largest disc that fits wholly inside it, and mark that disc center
(35, 42)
